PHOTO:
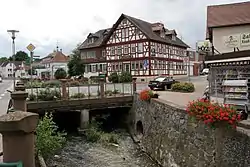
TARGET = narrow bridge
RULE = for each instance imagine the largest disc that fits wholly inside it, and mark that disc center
(88, 97)
(80, 104)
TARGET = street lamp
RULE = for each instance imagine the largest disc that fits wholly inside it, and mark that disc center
(13, 37)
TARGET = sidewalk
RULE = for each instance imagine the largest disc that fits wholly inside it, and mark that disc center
(182, 99)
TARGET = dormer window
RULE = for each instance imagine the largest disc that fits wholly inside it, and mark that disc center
(173, 37)
(91, 40)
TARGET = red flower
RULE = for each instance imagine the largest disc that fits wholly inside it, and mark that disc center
(212, 113)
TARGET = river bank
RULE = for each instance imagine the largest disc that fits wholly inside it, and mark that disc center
(78, 153)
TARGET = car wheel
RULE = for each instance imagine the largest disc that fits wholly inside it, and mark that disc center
(166, 87)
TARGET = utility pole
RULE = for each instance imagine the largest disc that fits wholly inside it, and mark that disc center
(13, 37)
(188, 55)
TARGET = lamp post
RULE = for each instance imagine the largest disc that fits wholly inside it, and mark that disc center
(13, 37)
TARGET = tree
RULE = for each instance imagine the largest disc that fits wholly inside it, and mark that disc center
(3, 59)
(125, 76)
(114, 77)
(60, 73)
(75, 65)
(21, 56)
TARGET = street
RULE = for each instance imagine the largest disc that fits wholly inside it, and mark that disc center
(4, 99)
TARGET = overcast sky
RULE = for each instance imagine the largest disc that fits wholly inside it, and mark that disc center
(44, 22)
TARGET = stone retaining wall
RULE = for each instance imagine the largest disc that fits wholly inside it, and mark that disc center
(172, 139)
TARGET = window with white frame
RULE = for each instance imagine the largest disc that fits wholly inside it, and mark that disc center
(140, 47)
(112, 50)
(119, 50)
(125, 49)
(133, 48)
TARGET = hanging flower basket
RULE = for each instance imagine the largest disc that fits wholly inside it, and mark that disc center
(147, 94)
(213, 114)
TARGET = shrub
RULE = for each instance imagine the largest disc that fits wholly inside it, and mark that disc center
(74, 83)
(114, 78)
(125, 77)
(183, 87)
(94, 134)
(48, 95)
(32, 97)
(51, 84)
(33, 84)
(48, 140)
(78, 95)
(60, 73)
(213, 114)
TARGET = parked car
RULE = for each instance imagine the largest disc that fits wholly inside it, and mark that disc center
(161, 82)
(1, 80)
(205, 71)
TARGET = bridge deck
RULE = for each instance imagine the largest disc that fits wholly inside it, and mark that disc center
(78, 104)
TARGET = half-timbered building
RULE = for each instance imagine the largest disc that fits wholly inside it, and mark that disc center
(144, 49)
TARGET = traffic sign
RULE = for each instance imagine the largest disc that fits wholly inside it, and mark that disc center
(31, 47)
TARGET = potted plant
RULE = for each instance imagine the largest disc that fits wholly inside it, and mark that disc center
(213, 114)
(147, 94)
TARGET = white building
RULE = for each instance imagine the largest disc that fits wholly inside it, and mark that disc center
(6, 69)
(51, 63)
(228, 27)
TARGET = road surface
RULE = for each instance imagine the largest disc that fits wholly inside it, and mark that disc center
(4, 99)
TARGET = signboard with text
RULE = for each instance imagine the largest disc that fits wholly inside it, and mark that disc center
(204, 46)
(237, 40)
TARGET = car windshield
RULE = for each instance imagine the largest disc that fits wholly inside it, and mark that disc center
(160, 79)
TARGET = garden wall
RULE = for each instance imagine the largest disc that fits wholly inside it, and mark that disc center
(174, 140)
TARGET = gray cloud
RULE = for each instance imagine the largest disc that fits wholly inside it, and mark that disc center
(187, 17)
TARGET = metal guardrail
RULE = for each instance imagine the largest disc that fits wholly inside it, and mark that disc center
(84, 91)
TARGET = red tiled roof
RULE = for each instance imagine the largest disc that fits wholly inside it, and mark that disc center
(228, 14)
(57, 56)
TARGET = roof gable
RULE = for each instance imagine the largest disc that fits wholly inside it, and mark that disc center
(55, 57)
(146, 29)
(228, 14)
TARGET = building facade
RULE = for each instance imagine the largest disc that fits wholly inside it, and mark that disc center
(228, 27)
(51, 63)
(141, 48)
(6, 69)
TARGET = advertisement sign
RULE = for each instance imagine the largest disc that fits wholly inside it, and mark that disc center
(245, 39)
(203, 46)
(231, 41)
(237, 40)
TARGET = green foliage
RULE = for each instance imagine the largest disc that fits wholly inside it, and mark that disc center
(48, 95)
(125, 77)
(3, 59)
(48, 139)
(94, 134)
(183, 87)
(20, 56)
(51, 84)
(78, 95)
(32, 97)
(60, 73)
(114, 78)
(76, 66)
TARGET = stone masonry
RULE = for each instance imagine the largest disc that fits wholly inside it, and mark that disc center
(171, 138)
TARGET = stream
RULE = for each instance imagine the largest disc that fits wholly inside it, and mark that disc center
(80, 153)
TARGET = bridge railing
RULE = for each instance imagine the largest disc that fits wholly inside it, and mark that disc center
(65, 90)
